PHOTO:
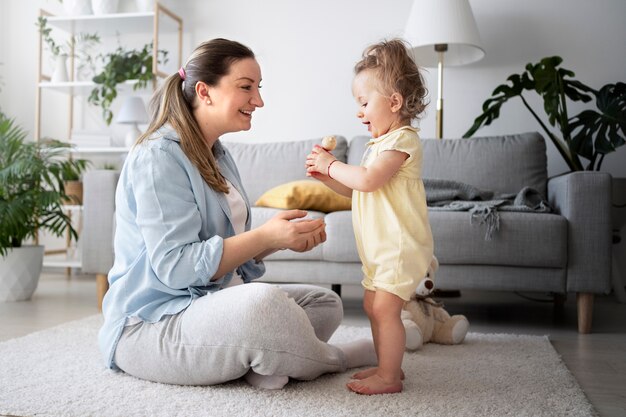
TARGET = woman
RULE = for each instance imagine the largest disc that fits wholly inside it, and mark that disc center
(174, 312)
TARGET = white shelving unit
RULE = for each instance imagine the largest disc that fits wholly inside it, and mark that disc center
(160, 21)
(154, 23)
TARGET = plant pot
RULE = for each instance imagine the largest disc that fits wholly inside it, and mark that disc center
(145, 6)
(77, 7)
(104, 6)
(60, 69)
(19, 273)
(74, 191)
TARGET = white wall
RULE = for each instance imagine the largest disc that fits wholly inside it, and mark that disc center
(3, 47)
(307, 50)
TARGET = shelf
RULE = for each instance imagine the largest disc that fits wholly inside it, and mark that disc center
(61, 263)
(85, 87)
(100, 149)
(110, 24)
(161, 28)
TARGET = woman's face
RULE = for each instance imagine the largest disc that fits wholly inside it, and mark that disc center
(230, 104)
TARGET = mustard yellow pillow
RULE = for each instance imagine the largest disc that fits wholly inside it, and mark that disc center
(305, 195)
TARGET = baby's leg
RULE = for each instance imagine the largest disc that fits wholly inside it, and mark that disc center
(368, 303)
(389, 338)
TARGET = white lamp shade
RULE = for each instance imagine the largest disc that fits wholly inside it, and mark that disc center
(448, 22)
(133, 111)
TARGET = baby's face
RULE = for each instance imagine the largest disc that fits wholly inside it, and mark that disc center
(375, 109)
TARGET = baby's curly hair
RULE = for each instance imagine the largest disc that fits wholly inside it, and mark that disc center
(397, 73)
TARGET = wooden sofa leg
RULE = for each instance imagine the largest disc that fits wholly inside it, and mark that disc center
(584, 303)
(102, 285)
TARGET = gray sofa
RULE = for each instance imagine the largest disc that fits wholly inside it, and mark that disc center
(568, 251)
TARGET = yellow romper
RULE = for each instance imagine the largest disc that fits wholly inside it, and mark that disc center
(391, 227)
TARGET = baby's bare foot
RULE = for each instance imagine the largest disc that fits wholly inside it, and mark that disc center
(364, 374)
(371, 371)
(374, 385)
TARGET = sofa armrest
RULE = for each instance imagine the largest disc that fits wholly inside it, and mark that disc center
(584, 199)
(98, 214)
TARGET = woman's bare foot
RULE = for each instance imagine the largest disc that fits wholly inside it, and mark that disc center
(371, 371)
(266, 381)
(373, 385)
(359, 353)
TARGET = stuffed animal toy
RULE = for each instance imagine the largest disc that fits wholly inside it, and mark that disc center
(425, 320)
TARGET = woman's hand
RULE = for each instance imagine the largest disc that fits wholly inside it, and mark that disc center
(317, 163)
(287, 230)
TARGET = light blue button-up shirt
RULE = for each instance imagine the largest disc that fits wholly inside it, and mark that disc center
(170, 227)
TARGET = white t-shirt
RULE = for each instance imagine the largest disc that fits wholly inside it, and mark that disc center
(238, 215)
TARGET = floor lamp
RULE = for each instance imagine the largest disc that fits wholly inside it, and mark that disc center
(443, 28)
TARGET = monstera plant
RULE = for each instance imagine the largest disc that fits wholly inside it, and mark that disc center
(591, 134)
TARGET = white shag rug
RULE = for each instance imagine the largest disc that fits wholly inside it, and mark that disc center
(59, 372)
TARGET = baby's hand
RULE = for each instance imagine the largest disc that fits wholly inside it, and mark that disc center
(317, 163)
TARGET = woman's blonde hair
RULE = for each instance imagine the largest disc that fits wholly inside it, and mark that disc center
(397, 73)
(173, 103)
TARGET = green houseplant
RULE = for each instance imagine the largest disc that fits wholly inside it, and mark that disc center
(591, 134)
(80, 46)
(71, 171)
(119, 66)
(31, 199)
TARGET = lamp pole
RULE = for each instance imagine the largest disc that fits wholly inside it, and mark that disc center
(440, 48)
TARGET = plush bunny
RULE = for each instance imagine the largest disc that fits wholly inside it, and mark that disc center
(425, 320)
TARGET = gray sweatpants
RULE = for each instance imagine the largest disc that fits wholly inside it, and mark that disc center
(273, 330)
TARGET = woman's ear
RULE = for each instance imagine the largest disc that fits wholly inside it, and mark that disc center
(202, 92)
(396, 101)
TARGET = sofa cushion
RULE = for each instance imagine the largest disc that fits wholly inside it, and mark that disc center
(523, 239)
(502, 164)
(265, 165)
(305, 195)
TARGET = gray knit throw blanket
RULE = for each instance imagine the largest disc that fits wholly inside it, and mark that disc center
(483, 206)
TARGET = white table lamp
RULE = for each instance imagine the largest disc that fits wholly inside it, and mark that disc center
(133, 112)
(443, 27)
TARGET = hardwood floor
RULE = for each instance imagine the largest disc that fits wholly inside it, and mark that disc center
(597, 360)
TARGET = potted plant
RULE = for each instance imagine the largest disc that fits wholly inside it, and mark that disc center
(31, 199)
(80, 46)
(71, 171)
(591, 134)
(76, 7)
(119, 66)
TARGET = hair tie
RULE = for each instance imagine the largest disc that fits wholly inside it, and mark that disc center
(182, 74)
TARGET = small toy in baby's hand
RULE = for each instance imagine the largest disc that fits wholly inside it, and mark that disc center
(329, 143)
